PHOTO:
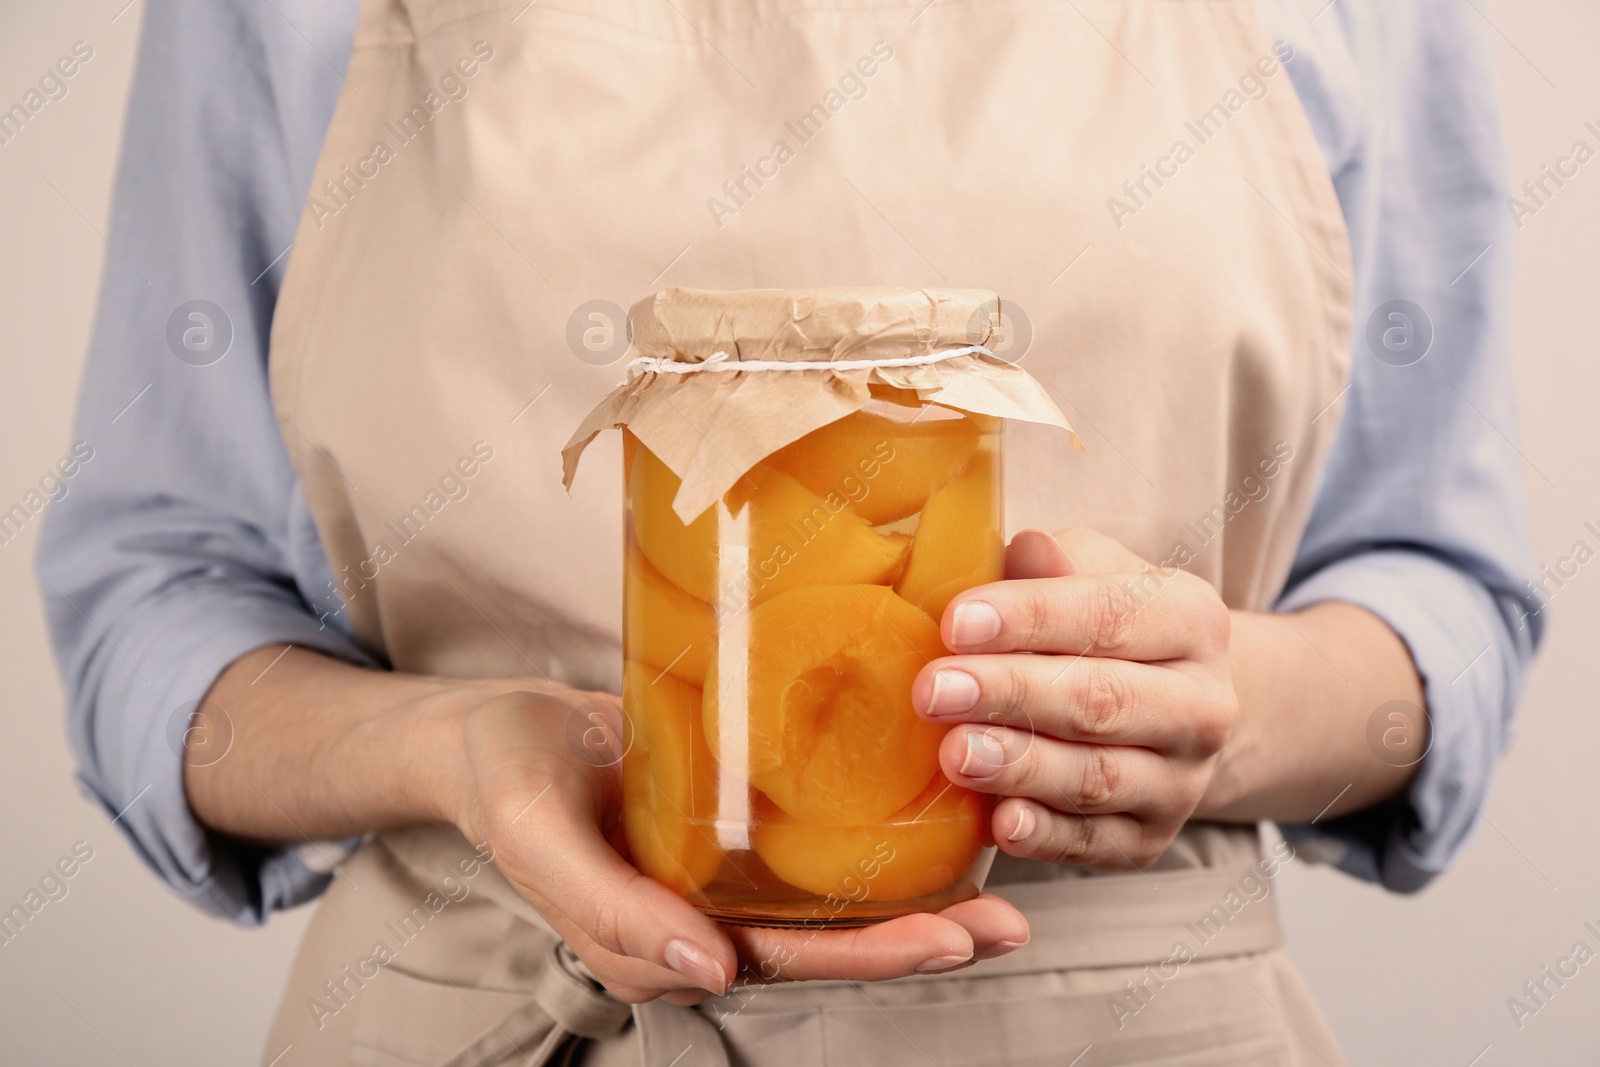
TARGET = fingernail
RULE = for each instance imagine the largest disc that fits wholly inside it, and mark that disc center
(941, 963)
(984, 755)
(1024, 827)
(974, 622)
(696, 964)
(953, 692)
(1012, 945)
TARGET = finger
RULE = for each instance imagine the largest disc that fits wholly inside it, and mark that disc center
(623, 911)
(996, 926)
(550, 829)
(1084, 779)
(633, 981)
(1028, 829)
(1079, 698)
(908, 945)
(1127, 616)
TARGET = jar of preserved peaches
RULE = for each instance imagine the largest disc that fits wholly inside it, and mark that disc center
(833, 480)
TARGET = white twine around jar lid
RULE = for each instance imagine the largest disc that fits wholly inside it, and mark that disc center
(721, 361)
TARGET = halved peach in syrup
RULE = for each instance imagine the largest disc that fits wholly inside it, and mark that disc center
(669, 781)
(787, 535)
(918, 850)
(832, 737)
(667, 629)
(880, 460)
(958, 543)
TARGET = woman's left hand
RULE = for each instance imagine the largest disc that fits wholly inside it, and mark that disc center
(1090, 691)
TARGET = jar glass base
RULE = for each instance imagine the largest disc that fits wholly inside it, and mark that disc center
(741, 901)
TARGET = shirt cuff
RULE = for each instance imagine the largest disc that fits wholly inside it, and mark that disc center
(1471, 664)
(131, 742)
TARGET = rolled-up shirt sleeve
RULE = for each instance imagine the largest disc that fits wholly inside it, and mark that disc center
(1420, 515)
(180, 543)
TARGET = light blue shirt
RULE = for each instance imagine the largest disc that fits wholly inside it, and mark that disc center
(184, 542)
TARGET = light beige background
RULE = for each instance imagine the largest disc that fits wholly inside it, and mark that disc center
(123, 972)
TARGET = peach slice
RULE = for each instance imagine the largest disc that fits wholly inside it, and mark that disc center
(685, 555)
(884, 467)
(918, 850)
(630, 446)
(832, 737)
(667, 629)
(791, 537)
(957, 544)
(669, 781)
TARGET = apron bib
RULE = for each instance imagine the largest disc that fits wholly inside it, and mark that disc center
(1134, 177)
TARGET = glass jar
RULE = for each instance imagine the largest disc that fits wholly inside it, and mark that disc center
(776, 773)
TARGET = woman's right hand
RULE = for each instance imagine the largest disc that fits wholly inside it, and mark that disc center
(550, 815)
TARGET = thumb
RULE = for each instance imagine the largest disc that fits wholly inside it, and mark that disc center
(1088, 551)
(1036, 554)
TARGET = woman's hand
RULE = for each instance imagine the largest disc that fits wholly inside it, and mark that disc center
(1089, 690)
(319, 749)
(550, 814)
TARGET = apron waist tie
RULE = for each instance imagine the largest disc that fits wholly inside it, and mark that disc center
(1076, 923)
(563, 993)
(682, 1037)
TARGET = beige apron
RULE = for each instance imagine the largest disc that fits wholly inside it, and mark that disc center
(1135, 176)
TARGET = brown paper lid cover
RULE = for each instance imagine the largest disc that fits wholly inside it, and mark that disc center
(725, 378)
